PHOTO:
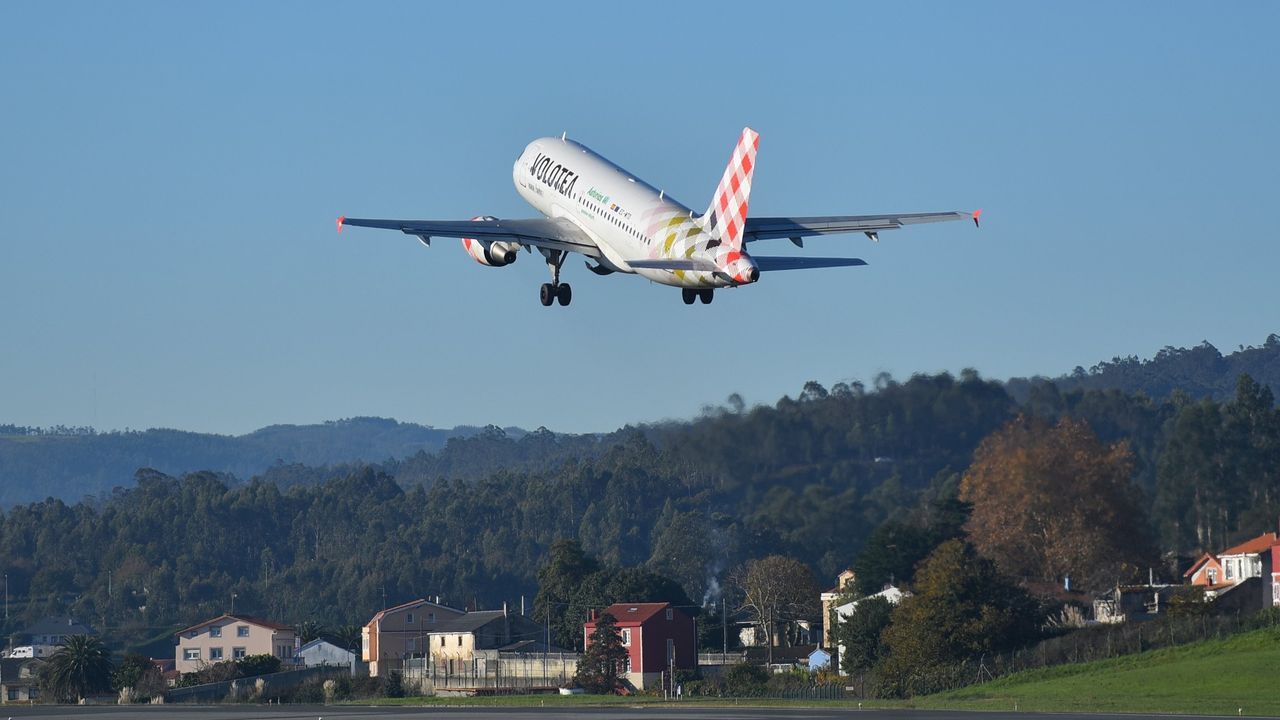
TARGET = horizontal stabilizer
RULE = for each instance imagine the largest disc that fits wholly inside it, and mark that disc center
(678, 264)
(764, 228)
(769, 264)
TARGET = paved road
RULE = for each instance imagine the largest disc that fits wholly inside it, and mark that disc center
(638, 712)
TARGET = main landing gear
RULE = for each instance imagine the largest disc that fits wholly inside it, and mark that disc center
(550, 293)
(555, 291)
(706, 295)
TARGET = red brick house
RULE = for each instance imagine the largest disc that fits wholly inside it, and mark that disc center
(657, 637)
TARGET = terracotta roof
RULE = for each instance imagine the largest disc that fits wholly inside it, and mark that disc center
(1249, 547)
(411, 604)
(241, 618)
(1195, 567)
(632, 614)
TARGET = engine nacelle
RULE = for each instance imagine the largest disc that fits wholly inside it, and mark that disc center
(494, 253)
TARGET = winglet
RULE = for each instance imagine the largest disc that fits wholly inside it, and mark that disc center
(976, 214)
(341, 219)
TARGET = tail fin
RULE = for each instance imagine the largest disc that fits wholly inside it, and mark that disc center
(725, 219)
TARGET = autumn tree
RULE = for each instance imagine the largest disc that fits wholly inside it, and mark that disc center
(777, 590)
(1052, 501)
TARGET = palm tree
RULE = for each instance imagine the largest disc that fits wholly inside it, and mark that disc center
(349, 637)
(80, 666)
(309, 630)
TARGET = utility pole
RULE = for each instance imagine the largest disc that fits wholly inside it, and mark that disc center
(6, 597)
(724, 627)
(233, 604)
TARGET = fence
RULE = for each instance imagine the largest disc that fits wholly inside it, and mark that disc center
(492, 673)
(714, 659)
(263, 686)
(1084, 645)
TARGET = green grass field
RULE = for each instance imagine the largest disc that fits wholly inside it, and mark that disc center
(1215, 677)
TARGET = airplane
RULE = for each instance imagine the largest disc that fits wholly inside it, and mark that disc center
(593, 207)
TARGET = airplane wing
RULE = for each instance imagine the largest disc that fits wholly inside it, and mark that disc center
(768, 264)
(559, 234)
(765, 228)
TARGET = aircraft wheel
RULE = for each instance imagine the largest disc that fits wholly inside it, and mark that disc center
(688, 295)
(546, 294)
(706, 296)
(564, 294)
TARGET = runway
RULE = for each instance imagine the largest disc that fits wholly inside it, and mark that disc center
(635, 712)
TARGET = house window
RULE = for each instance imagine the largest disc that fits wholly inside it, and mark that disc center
(431, 617)
(1213, 576)
(215, 631)
(33, 693)
(459, 641)
(670, 614)
(13, 693)
(215, 653)
(626, 637)
(1228, 568)
(237, 653)
(441, 641)
(408, 618)
(242, 631)
(191, 654)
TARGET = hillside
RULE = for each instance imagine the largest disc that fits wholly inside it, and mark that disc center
(1215, 677)
(71, 464)
(1201, 371)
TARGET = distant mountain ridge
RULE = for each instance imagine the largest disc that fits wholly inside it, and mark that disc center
(1199, 372)
(70, 463)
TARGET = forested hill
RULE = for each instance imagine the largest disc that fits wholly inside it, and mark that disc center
(812, 478)
(70, 463)
(1200, 372)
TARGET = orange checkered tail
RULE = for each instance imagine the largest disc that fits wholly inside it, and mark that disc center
(725, 219)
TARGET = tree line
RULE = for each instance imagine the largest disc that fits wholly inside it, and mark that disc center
(876, 477)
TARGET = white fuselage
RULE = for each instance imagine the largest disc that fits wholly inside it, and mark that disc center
(626, 217)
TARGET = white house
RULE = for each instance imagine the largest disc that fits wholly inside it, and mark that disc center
(323, 652)
(1246, 560)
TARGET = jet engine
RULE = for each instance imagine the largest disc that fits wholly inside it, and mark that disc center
(494, 253)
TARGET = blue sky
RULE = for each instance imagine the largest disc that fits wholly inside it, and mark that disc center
(170, 174)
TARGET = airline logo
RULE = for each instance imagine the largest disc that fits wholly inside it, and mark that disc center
(728, 212)
(553, 174)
